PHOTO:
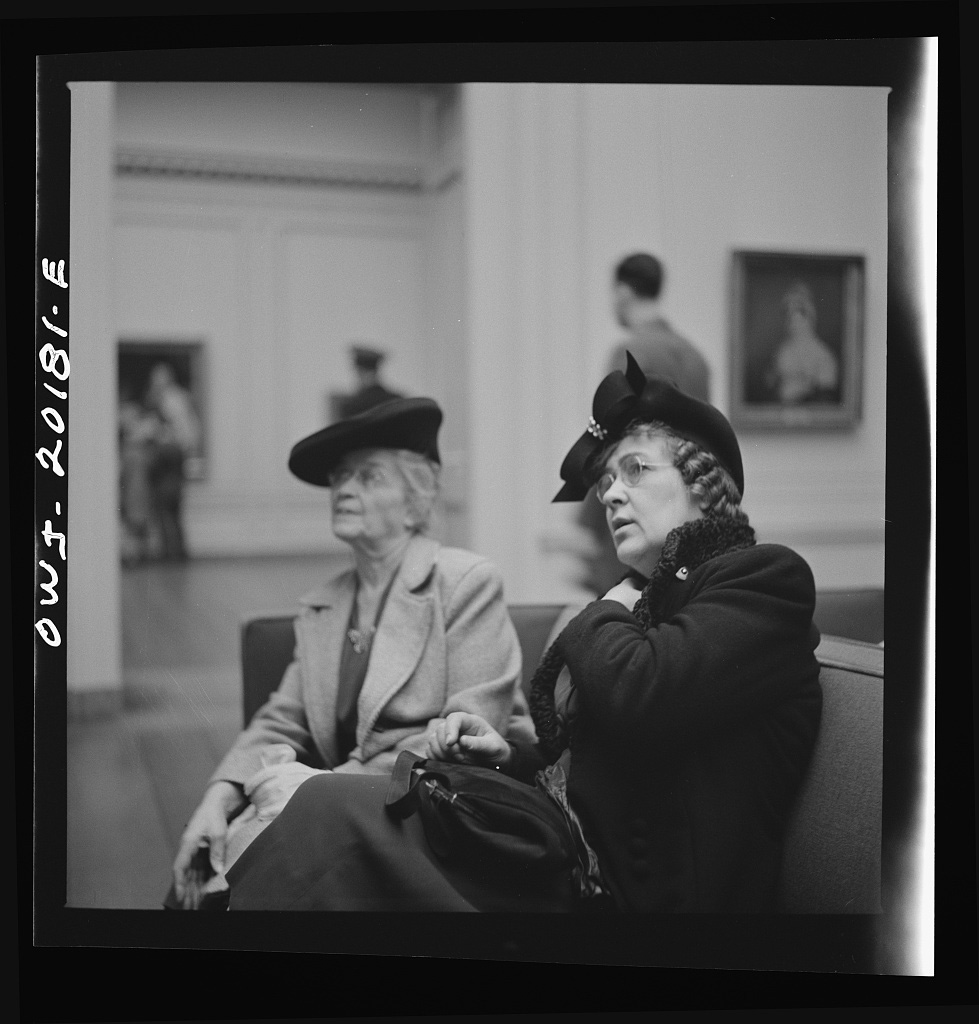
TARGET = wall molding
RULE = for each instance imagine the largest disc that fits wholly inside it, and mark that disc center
(255, 169)
(162, 201)
(227, 522)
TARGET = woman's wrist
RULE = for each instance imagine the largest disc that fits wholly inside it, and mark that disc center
(230, 795)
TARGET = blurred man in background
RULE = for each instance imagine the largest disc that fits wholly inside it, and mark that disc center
(636, 286)
(370, 389)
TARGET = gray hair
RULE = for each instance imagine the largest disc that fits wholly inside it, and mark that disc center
(421, 479)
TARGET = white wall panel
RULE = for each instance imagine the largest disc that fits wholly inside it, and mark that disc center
(527, 378)
(340, 287)
(444, 326)
(277, 282)
(564, 181)
(178, 278)
(771, 168)
(90, 587)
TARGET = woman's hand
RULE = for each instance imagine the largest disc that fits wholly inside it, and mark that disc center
(626, 593)
(270, 788)
(461, 736)
(202, 846)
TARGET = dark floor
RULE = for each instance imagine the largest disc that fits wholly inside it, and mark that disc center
(134, 780)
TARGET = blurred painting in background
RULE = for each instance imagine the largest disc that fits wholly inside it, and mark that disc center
(797, 340)
(161, 445)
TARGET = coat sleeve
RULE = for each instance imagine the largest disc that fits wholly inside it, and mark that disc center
(483, 659)
(482, 666)
(282, 719)
(731, 651)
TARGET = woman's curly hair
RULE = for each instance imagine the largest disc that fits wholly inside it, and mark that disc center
(707, 479)
(719, 500)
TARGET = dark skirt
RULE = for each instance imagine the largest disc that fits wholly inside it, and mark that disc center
(335, 847)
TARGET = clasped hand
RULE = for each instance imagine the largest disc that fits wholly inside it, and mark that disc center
(464, 737)
(204, 842)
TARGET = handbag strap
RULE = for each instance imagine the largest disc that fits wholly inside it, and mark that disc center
(403, 794)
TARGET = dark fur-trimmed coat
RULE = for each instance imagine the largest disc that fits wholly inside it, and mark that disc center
(690, 738)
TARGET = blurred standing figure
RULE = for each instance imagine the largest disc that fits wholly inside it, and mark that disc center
(138, 429)
(659, 350)
(637, 282)
(803, 369)
(179, 437)
(370, 391)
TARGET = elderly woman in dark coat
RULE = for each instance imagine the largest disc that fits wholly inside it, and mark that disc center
(675, 716)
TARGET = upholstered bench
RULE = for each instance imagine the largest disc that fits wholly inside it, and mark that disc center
(831, 861)
(858, 614)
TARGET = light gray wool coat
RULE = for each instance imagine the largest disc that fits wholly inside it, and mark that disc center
(444, 643)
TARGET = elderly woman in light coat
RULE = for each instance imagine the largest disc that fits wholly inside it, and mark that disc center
(412, 632)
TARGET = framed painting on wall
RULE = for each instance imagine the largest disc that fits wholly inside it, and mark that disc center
(796, 340)
(183, 364)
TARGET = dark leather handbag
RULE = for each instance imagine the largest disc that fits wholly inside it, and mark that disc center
(481, 817)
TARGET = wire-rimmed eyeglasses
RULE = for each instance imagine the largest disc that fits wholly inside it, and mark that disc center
(630, 469)
(367, 476)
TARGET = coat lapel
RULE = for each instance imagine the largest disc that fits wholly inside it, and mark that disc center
(402, 633)
(321, 637)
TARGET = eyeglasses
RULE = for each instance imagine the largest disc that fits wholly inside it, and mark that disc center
(367, 476)
(630, 469)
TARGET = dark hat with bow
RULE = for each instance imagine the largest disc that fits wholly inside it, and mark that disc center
(622, 398)
(407, 423)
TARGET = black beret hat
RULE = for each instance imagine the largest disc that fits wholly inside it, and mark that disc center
(622, 398)
(408, 423)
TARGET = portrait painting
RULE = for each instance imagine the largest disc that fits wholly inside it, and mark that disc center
(182, 363)
(797, 340)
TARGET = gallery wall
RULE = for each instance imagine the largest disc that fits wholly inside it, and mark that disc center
(471, 233)
(565, 179)
(786, 169)
(277, 224)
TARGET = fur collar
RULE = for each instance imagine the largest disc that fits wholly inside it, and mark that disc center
(688, 547)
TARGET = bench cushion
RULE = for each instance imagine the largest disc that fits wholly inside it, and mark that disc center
(831, 861)
(851, 613)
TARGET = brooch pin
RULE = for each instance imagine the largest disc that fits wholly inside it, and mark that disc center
(596, 429)
(681, 573)
(360, 641)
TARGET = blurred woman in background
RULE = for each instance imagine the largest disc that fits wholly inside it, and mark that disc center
(803, 369)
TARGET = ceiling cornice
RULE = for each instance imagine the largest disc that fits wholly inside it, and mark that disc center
(268, 170)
